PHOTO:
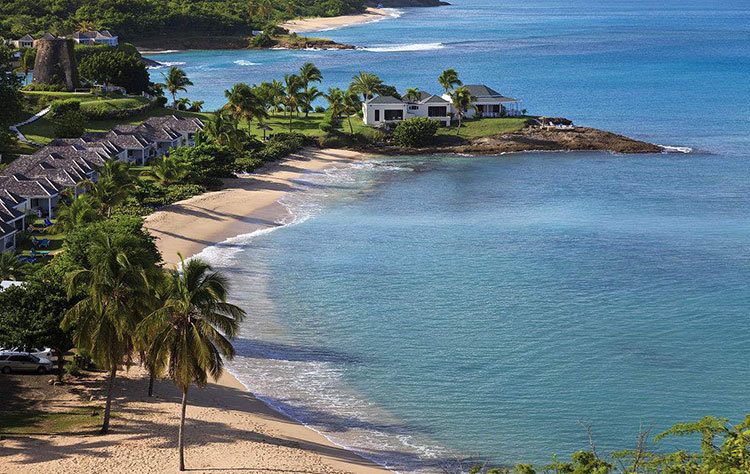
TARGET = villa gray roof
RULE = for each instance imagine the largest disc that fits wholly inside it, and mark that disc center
(178, 124)
(385, 99)
(92, 34)
(481, 91)
(8, 212)
(6, 230)
(434, 99)
(161, 133)
(26, 187)
(26, 38)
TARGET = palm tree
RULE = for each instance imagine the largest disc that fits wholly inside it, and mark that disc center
(367, 84)
(413, 94)
(449, 79)
(309, 73)
(308, 97)
(28, 58)
(11, 267)
(118, 296)
(118, 172)
(352, 106)
(336, 105)
(265, 9)
(85, 25)
(107, 193)
(168, 170)
(292, 96)
(244, 104)
(461, 99)
(175, 80)
(77, 213)
(192, 330)
(223, 129)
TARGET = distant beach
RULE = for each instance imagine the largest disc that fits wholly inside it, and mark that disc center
(310, 25)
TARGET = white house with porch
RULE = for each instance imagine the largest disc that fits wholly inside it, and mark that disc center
(383, 110)
(490, 103)
(95, 37)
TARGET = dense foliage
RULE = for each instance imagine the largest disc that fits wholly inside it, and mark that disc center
(116, 67)
(415, 132)
(132, 19)
(10, 98)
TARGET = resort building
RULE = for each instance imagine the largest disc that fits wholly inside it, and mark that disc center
(34, 184)
(26, 41)
(94, 37)
(383, 110)
(487, 102)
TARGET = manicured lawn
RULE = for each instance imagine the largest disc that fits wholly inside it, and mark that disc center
(76, 420)
(485, 127)
(56, 241)
(309, 126)
(61, 95)
(115, 104)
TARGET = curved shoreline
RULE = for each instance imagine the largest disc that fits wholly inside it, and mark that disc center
(315, 24)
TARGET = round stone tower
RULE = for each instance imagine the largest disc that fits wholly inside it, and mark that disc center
(56, 63)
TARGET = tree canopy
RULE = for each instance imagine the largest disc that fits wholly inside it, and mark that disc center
(116, 67)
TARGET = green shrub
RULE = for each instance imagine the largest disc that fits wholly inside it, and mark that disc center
(35, 86)
(416, 132)
(179, 192)
(60, 107)
(72, 368)
(319, 109)
(71, 124)
(247, 164)
(160, 101)
(105, 111)
(325, 126)
(263, 40)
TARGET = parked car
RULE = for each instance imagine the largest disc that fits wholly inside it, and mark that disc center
(44, 352)
(23, 362)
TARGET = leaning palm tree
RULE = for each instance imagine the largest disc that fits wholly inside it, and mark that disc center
(75, 214)
(309, 73)
(175, 80)
(192, 330)
(118, 295)
(244, 103)
(292, 95)
(118, 172)
(308, 97)
(367, 84)
(413, 94)
(12, 266)
(449, 80)
(223, 129)
(352, 106)
(461, 100)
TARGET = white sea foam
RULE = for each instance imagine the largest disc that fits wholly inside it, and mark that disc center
(242, 62)
(405, 47)
(168, 64)
(676, 149)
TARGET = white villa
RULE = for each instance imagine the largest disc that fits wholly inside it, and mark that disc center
(387, 109)
(94, 37)
(489, 103)
(382, 110)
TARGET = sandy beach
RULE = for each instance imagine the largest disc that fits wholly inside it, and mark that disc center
(310, 25)
(228, 429)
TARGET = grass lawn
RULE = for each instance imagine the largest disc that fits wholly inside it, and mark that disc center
(485, 127)
(114, 104)
(55, 245)
(309, 126)
(76, 420)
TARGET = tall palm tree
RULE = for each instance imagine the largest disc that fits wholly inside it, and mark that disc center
(85, 25)
(352, 106)
(292, 96)
(11, 267)
(309, 73)
(244, 104)
(175, 80)
(265, 9)
(336, 105)
(168, 170)
(118, 296)
(192, 330)
(77, 213)
(367, 84)
(308, 97)
(461, 99)
(449, 79)
(413, 94)
(26, 65)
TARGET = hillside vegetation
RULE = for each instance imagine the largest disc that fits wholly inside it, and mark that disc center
(133, 19)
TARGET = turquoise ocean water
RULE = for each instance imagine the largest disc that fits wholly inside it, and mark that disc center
(424, 308)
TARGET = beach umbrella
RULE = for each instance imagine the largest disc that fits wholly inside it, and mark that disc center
(265, 129)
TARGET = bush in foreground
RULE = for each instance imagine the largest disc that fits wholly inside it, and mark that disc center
(416, 132)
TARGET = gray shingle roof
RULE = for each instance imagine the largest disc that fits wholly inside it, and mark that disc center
(8, 211)
(385, 99)
(26, 187)
(481, 91)
(178, 124)
(434, 99)
(6, 230)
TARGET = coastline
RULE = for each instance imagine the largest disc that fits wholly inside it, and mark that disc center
(310, 25)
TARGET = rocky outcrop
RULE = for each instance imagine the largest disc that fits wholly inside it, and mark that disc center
(56, 63)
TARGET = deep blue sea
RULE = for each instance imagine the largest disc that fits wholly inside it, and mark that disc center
(426, 308)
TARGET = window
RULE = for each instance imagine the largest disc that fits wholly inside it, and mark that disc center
(394, 115)
(413, 107)
(437, 111)
(18, 358)
(377, 115)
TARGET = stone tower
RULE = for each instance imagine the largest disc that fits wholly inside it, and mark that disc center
(56, 63)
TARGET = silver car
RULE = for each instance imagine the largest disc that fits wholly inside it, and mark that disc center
(23, 362)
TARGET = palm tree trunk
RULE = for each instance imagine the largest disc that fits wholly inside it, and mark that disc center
(60, 364)
(181, 436)
(349, 119)
(151, 379)
(291, 115)
(458, 130)
(108, 406)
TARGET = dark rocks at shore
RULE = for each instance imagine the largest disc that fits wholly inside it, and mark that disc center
(531, 139)
(237, 42)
